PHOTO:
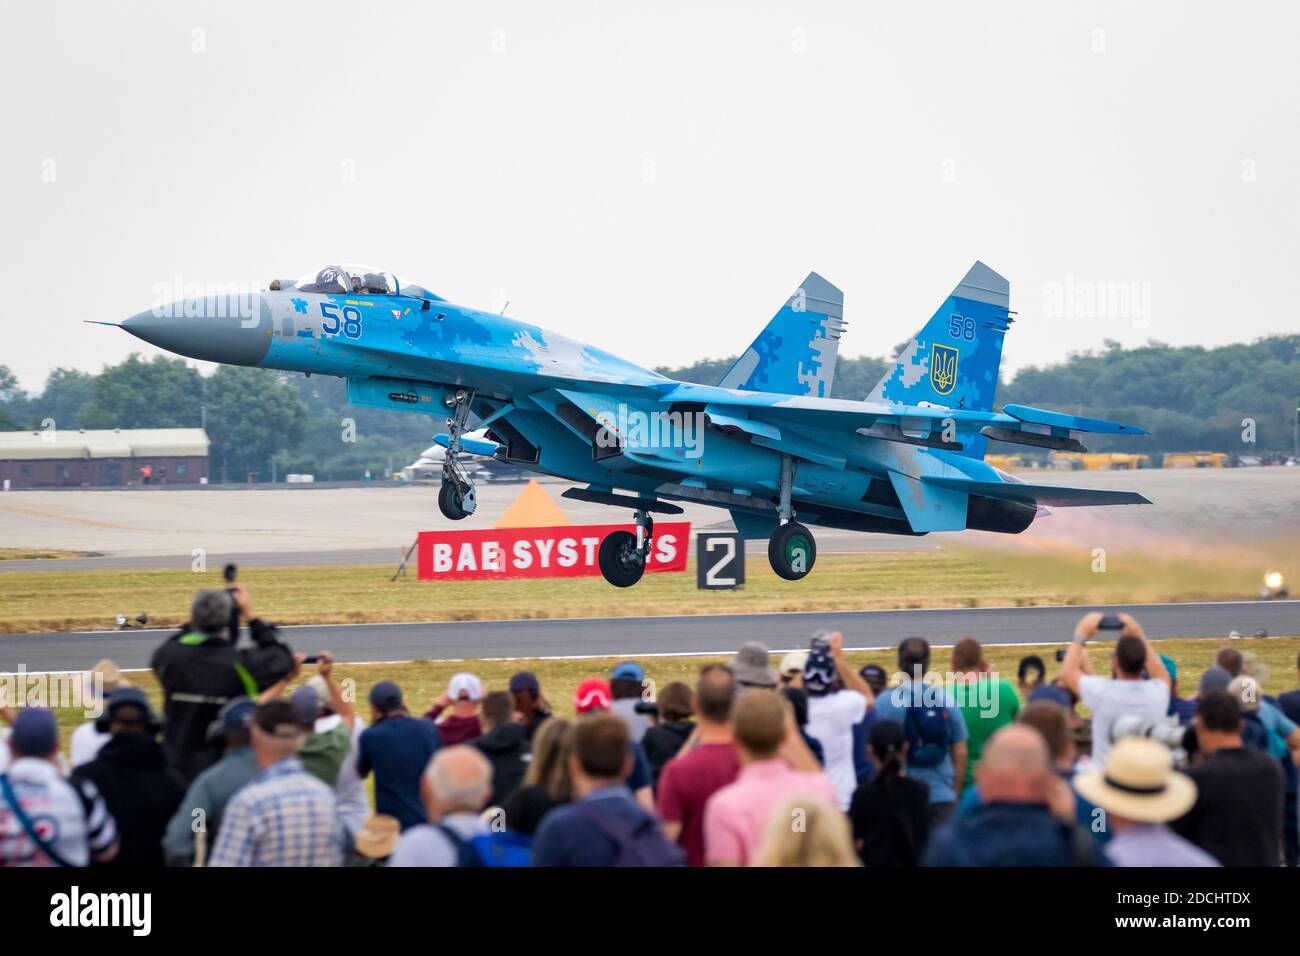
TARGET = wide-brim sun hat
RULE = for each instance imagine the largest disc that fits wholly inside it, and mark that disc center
(1139, 783)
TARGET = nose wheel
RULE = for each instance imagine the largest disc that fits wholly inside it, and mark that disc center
(623, 555)
(792, 551)
(456, 498)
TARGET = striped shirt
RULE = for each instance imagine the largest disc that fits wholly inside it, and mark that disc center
(283, 817)
(71, 819)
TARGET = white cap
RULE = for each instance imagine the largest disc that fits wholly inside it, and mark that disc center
(464, 687)
(793, 662)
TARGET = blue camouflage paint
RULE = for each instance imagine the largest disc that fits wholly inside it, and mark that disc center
(795, 353)
(853, 465)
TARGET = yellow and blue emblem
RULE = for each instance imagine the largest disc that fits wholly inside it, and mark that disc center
(943, 368)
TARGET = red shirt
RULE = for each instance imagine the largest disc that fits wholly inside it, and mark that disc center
(455, 730)
(685, 786)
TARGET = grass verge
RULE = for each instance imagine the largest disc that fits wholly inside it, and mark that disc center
(956, 577)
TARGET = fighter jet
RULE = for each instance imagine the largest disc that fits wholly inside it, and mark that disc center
(767, 443)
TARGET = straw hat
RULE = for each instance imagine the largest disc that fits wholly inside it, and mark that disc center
(111, 675)
(1139, 783)
(378, 836)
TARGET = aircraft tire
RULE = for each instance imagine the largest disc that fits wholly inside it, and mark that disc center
(792, 551)
(449, 502)
(619, 562)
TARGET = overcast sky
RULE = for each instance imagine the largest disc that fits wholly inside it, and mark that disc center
(657, 177)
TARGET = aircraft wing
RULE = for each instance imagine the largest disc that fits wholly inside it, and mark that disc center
(764, 414)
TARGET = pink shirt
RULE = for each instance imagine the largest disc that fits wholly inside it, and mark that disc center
(737, 816)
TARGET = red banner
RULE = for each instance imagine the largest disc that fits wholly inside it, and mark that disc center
(567, 551)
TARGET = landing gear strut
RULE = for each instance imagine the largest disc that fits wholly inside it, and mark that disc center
(456, 498)
(791, 550)
(623, 555)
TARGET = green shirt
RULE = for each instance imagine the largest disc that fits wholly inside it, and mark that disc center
(323, 754)
(986, 707)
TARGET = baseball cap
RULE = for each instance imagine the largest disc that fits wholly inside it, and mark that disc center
(1216, 678)
(464, 686)
(628, 670)
(35, 732)
(793, 663)
(819, 671)
(525, 680)
(385, 696)
(874, 675)
(126, 697)
(306, 704)
(592, 695)
(235, 714)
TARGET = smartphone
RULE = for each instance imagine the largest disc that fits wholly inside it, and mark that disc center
(228, 572)
(313, 659)
(1060, 654)
(1110, 622)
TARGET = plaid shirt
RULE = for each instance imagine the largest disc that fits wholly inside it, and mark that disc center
(283, 817)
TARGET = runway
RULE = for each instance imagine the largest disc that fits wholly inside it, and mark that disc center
(649, 636)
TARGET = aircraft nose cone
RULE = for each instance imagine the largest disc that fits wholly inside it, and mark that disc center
(231, 328)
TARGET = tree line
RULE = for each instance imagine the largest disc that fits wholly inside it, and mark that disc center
(1189, 397)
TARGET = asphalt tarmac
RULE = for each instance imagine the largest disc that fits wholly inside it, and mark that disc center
(649, 636)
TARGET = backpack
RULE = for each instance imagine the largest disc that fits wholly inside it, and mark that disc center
(490, 849)
(637, 842)
(928, 736)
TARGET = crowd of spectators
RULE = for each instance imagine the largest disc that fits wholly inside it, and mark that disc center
(260, 758)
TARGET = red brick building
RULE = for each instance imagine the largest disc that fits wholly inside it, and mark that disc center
(95, 458)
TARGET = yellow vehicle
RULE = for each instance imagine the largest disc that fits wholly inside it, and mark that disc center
(1196, 459)
(1006, 462)
(1099, 461)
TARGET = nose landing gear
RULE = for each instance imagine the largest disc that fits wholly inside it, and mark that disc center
(456, 499)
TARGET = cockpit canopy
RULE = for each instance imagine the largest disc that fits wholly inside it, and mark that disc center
(352, 279)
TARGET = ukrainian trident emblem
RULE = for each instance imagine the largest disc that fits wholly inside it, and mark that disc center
(943, 368)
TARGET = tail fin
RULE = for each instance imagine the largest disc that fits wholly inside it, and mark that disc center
(795, 354)
(953, 361)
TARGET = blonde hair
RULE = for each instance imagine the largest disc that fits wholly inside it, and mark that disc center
(807, 831)
(552, 747)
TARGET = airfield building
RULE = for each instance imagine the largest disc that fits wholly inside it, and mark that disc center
(113, 457)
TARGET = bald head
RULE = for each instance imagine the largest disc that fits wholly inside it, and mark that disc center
(459, 780)
(1014, 766)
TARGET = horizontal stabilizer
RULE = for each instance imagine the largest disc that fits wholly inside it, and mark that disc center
(1048, 495)
(1075, 423)
(1017, 437)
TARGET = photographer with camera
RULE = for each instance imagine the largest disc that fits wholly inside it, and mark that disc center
(1139, 686)
(200, 668)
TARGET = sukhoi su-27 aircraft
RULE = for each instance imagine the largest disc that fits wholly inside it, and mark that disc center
(767, 443)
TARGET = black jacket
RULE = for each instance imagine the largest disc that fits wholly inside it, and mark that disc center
(662, 742)
(140, 791)
(505, 747)
(199, 673)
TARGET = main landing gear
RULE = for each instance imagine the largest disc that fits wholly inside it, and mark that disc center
(791, 550)
(456, 496)
(623, 555)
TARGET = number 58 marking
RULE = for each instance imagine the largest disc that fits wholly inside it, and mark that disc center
(349, 320)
